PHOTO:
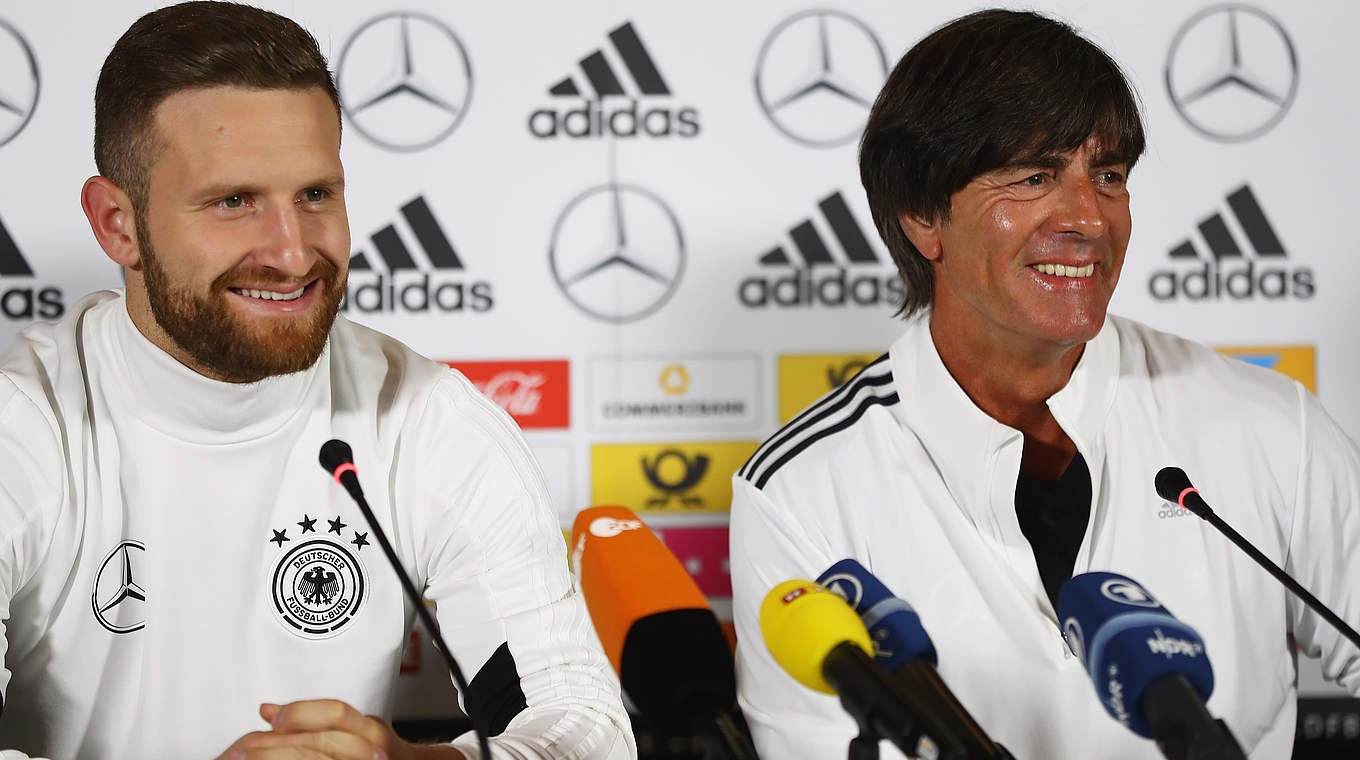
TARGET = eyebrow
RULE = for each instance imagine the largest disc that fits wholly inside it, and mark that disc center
(224, 189)
(1035, 161)
(1104, 158)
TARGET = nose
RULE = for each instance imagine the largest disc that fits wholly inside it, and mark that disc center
(282, 246)
(1080, 211)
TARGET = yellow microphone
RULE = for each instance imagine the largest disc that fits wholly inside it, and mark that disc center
(802, 623)
(820, 641)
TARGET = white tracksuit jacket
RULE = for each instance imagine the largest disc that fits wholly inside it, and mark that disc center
(901, 471)
(172, 554)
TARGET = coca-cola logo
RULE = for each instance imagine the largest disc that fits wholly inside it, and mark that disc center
(515, 392)
(535, 393)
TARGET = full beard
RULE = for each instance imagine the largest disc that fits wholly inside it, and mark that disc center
(236, 349)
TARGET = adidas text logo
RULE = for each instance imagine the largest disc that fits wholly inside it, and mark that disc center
(1227, 272)
(24, 301)
(599, 111)
(815, 276)
(407, 286)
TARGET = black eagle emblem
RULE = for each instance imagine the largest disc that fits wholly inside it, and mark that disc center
(320, 586)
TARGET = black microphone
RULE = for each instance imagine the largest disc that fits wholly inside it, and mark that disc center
(1174, 485)
(338, 459)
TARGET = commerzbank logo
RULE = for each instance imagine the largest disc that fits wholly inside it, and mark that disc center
(405, 80)
(817, 75)
(19, 82)
(428, 277)
(693, 392)
(616, 90)
(812, 274)
(22, 297)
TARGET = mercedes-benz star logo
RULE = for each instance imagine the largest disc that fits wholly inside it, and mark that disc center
(405, 80)
(817, 75)
(1232, 72)
(119, 602)
(19, 83)
(617, 252)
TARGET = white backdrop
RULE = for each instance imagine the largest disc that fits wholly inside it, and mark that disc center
(655, 259)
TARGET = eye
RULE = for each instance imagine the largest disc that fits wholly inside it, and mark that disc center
(233, 202)
(1034, 180)
(315, 195)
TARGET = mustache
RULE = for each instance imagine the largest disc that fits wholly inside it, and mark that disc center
(324, 270)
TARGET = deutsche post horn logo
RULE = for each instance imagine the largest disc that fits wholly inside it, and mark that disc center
(318, 585)
(836, 375)
(662, 476)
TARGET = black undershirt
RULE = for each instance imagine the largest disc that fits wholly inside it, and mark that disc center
(1053, 516)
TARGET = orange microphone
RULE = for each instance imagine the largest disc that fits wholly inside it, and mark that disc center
(658, 630)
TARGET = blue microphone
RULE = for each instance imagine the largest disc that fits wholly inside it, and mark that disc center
(903, 648)
(1150, 670)
(893, 625)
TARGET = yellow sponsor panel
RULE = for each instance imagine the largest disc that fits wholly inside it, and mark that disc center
(803, 378)
(1298, 362)
(672, 478)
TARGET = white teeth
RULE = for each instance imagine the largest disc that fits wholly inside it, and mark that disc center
(269, 295)
(1063, 270)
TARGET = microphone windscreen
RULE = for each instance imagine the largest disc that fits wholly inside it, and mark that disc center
(626, 574)
(1170, 483)
(334, 453)
(677, 668)
(801, 623)
(893, 625)
(1127, 639)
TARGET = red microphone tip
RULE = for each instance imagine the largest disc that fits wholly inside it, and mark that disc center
(344, 468)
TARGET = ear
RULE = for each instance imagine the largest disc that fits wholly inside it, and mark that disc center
(111, 218)
(923, 234)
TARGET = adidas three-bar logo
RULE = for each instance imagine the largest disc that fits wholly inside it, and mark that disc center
(811, 247)
(1227, 271)
(1220, 239)
(397, 256)
(602, 76)
(11, 261)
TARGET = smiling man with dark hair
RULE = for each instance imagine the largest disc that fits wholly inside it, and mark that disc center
(178, 579)
(1009, 439)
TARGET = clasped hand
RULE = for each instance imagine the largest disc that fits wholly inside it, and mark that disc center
(327, 729)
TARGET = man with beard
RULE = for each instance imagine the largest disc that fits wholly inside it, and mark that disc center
(1010, 437)
(174, 566)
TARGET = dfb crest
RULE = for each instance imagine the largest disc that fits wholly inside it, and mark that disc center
(318, 584)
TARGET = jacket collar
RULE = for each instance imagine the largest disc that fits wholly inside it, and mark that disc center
(963, 442)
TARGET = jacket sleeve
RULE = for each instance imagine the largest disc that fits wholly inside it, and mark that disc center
(31, 489)
(770, 545)
(493, 559)
(1324, 545)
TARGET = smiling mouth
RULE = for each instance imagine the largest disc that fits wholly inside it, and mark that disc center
(1063, 270)
(269, 295)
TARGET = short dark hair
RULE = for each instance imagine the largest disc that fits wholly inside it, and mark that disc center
(971, 97)
(185, 47)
